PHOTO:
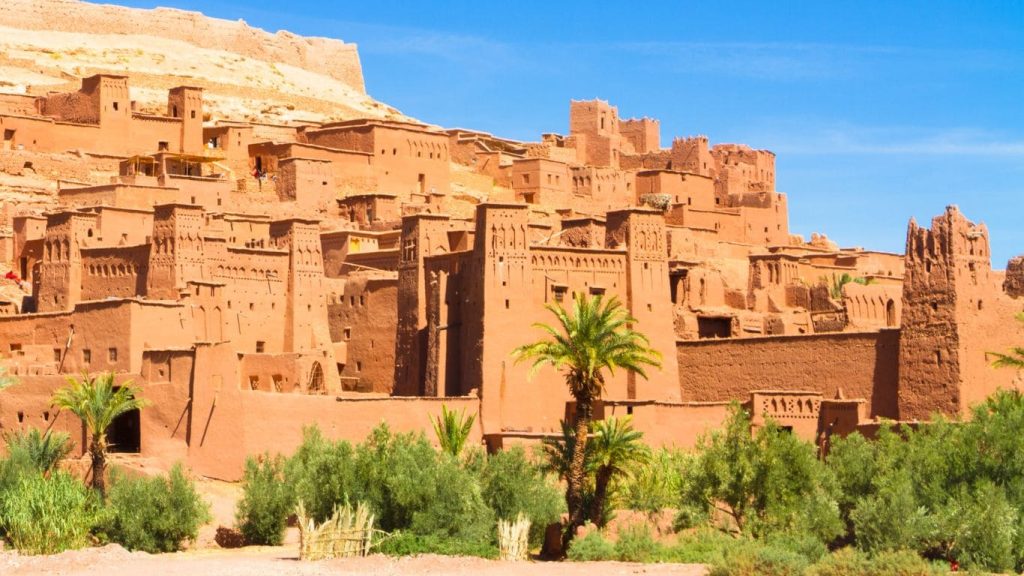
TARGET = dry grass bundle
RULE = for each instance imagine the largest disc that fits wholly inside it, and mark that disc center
(345, 534)
(514, 538)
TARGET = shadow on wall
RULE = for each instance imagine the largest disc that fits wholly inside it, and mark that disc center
(886, 375)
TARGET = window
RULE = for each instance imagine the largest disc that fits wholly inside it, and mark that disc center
(526, 178)
(596, 291)
(15, 348)
(260, 346)
(112, 354)
(86, 356)
(115, 105)
(558, 292)
(348, 333)
(359, 366)
(193, 114)
(162, 146)
(56, 355)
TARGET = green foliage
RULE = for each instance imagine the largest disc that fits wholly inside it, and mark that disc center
(636, 544)
(403, 543)
(980, 526)
(593, 547)
(321, 473)
(655, 485)
(412, 487)
(41, 515)
(97, 402)
(511, 485)
(852, 562)
(452, 430)
(892, 518)
(266, 502)
(835, 283)
(750, 558)
(615, 452)
(767, 483)
(44, 450)
(154, 514)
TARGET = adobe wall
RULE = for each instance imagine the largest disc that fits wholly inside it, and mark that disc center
(364, 316)
(324, 55)
(1013, 285)
(862, 365)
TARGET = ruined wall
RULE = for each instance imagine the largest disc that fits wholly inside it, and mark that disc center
(1014, 283)
(333, 57)
(862, 365)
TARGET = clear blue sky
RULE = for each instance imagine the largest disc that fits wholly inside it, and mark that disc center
(877, 111)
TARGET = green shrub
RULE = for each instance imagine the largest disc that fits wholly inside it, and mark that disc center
(154, 514)
(635, 544)
(321, 473)
(702, 546)
(412, 487)
(593, 547)
(44, 450)
(404, 543)
(981, 525)
(42, 515)
(266, 503)
(655, 485)
(903, 563)
(892, 519)
(511, 485)
(751, 558)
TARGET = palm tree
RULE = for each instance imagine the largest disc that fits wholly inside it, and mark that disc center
(452, 430)
(616, 450)
(42, 450)
(1014, 358)
(97, 402)
(597, 336)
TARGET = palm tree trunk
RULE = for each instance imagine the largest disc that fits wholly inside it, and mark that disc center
(577, 472)
(604, 477)
(99, 465)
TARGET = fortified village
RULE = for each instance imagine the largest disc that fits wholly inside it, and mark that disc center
(258, 275)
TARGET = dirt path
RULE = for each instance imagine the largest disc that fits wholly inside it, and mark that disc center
(114, 560)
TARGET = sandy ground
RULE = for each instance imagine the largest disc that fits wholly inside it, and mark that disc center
(283, 561)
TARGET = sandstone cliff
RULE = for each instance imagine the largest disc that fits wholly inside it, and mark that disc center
(322, 55)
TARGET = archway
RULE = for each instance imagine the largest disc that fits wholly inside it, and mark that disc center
(125, 433)
(316, 380)
(890, 314)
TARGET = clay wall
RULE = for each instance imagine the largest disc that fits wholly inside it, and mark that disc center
(353, 169)
(364, 316)
(873, 305)
(602, 189)
(644, 134)
(682, 188)
(19, 105)
(540, 181)
(114, 272)
(691, 155)
(1013, 285)
(861, 365)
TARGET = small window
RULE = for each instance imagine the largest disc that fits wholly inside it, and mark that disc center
(193, 114)
(56, 355)
(115, 105)
(112, 354)
(596, 291)
(260, 346)
(348, 334)
(559, 293)
(15, 348)
(86, 356)
(163, 147)
(359, 366)
(362, 300)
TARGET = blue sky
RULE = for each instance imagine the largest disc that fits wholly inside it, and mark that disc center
(877, 111)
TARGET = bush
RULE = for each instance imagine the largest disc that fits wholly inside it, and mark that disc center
(752, 558)
(655, 485)
(412, 487)
(591, 548)
(404, 543)
(892, 519)
(266, 503)
(511, 485)
(154, 514)
(321, 473)
(635, 544)
(44, 450)
(981, 525)
(702, 546)
(42, 515)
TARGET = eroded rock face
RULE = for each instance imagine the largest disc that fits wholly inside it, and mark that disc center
(1014, 283)
(324, 55)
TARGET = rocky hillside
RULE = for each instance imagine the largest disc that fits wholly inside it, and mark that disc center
(248, 73)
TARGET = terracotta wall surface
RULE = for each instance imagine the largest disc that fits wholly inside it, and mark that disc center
(861, 365)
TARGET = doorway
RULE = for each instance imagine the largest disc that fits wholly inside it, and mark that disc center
(125, 433)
